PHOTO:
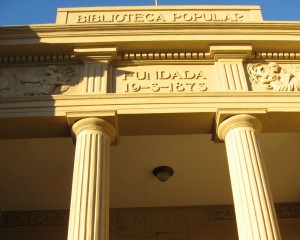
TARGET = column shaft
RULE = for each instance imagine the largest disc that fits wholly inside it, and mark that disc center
(89, 213)
(255, 214)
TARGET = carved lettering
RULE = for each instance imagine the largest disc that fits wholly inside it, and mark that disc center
(160, 221)
(149, 17)
(139, 18)
(159, 17)
(95, 19)
(170, 87)
(139, 221)
(163, 79)
(239, 17)
(164, 75)
(120, 18)
(82, 19)
(207, 17)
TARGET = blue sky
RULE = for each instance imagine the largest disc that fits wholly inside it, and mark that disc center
(16, 12)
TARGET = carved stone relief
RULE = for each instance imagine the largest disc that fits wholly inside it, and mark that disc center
(274, 77)
(179, 223)
(168, 236)
(35, 81)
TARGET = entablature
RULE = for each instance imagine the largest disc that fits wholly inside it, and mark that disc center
(181, 68)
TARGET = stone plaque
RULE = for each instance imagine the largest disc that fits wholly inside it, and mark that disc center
(164, 79)
(138, 15)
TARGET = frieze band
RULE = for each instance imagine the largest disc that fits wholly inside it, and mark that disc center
(36, 59)
(214, 213)
(161, 56)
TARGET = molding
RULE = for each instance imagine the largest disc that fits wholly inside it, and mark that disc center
(125, 56)
(215, 213)
(38, 59)
(229, 52)
(101, 54)
(245, 121)
(224, 114)
(277, 55)
(276, 27)
(108, 116)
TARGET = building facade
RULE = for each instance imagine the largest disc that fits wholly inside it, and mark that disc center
(92, 104)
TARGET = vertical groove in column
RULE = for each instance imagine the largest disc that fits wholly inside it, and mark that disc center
(260, 200)
(243, 80)
(243, 191)
(80, 186)
(242, 182)
(104, 188)
(90, 200)
(74, 192)
(232, 76)
(254, 207)
(85, 183)
(223, 74)
(236, 76)
(101, 203)
(88, 77)
(251, 191)
(229, 77)
(268, 210)
(98, 78)
(91, 187)
(235, 181)
(97, 197)
(95, 75)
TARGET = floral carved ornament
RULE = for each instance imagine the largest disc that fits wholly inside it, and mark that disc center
(274, 77)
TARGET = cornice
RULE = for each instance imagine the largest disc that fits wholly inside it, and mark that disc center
(160, 8)
(250, 96)
(56, 30)
(144, 57)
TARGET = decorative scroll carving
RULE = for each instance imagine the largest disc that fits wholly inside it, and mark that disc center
(162, 56)
(274, 77)
(53, 58)
(37, 81)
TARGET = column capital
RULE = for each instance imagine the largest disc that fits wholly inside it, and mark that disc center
(239, 121)
(230, 52)
(98, 124)
(96, 54)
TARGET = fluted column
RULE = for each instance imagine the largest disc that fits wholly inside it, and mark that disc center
(96, 64)
(89, 213)
(254, 208)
